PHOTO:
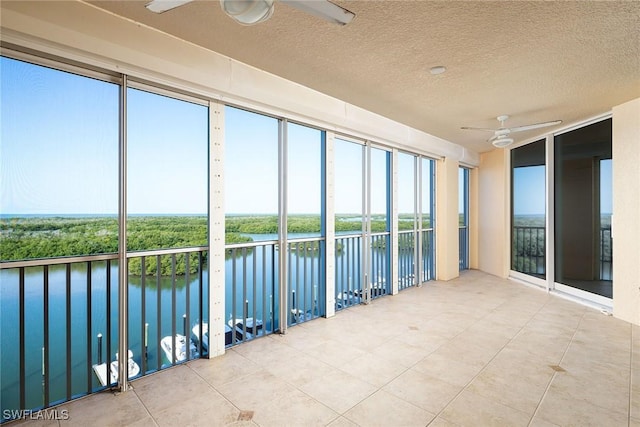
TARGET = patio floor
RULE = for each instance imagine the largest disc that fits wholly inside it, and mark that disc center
(475, 351)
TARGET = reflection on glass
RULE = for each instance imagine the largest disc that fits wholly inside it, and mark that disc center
(583, 188)
(528, 197)
(406, 191)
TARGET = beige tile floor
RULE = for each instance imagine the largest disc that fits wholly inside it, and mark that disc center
(475, 351)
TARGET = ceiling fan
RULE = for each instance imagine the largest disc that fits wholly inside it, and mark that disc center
(249, 12)
(501, 137)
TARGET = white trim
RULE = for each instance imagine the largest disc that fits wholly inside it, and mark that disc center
(583, 123)
(583, 297)
(216, 283)
(330, 226)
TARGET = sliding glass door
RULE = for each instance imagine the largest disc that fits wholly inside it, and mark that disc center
(528, 206)
(583, 209)
(568, 175)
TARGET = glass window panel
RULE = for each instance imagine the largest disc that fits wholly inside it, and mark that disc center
(348, 186)
(528, 195)
(251, 176)
(304, 182)
(582, 198)
(167, 167)
(380, 194)
(59, 178)
(406, 191)
(428, 196)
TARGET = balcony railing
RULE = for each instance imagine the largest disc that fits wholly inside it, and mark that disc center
(428, 256)
(306, 287)
(463, 242)
(406, 259)
(348, 280)
(529, 251)
(66, 311)
(252, 291)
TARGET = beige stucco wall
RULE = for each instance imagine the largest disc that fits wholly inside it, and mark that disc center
(493, 213)
(626, 211)
(447, 244)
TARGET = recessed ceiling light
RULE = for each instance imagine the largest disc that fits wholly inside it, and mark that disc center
(439, 69)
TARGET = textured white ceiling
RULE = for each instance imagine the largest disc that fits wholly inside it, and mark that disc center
(536, 61)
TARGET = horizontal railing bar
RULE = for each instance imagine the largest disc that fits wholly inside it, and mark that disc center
(381, 233)
(166, 251)
(306, 239)
(55, 261)
(251, 244)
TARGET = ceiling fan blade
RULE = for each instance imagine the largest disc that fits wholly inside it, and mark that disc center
(535, 126)
(323, 9)
(160, 6)
(482, 129)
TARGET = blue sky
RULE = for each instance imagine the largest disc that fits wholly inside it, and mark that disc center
(529, 194)
(59, 154)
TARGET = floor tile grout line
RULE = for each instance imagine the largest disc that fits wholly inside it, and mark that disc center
(465, 387)
(566, 350)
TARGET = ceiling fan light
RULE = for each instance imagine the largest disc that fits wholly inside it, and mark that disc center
(248, 12)
(502, 142)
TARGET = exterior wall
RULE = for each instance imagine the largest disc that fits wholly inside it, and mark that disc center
(493, 213)
(447, 244)
(626, 211)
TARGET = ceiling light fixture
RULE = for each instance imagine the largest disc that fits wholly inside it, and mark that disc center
(248, 12)
(502, 142)
(439, 69)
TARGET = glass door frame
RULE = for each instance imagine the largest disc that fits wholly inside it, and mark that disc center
(549, 284)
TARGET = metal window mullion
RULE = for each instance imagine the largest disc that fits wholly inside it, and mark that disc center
(22, 350)
(45, 315)
(123, 318)
(68, 328)
(282, 224)
(366, 208)
(549, 213)
(108, 319)
(143, 314)
(187, 308)
(89, 376)
(159, 313)
(173, 309)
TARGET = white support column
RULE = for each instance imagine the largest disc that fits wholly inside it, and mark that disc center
(447, 243)
(330, 234)
(283, 173)
(216, 230)
(394, 222)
